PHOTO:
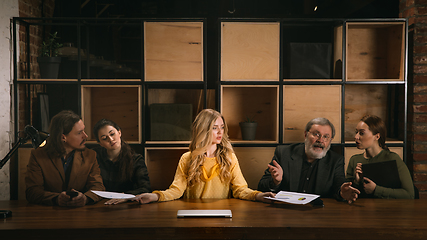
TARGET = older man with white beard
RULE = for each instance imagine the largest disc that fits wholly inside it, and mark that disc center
(309, 167)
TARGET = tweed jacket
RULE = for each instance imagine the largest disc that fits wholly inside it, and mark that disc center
(45, 178)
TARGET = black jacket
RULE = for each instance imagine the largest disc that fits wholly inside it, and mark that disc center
(140, 182)
(330, 173)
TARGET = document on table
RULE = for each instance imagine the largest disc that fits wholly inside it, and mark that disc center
(293, 197)
(114, 195)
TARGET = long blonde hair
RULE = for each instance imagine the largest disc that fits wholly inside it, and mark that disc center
(201, 139)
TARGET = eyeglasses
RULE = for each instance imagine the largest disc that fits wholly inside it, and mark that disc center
(317, 135)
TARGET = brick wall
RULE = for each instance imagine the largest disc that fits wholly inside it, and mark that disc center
(416, 13)
(30, 8)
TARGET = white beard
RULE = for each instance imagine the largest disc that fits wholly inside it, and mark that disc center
(314, 154)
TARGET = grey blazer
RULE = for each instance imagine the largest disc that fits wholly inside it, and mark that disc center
(330, 173)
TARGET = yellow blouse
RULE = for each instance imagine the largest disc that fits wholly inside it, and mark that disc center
(210, 185)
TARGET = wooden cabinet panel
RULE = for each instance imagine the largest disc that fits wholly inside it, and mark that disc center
(375, 51)
(301, 103)
(253, 162)
(361, 100)
(121, 103)
(161, 164)
(173, 51)
(250, 51)
(23, 159)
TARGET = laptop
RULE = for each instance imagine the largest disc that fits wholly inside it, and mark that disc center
(204, 213)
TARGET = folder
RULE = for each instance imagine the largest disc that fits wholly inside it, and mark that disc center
(384, 174)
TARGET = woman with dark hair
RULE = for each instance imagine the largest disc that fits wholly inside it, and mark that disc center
(370, 136)
(122, 169)
(210, 169)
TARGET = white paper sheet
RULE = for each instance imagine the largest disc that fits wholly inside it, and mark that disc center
(293, 197)
(114, 195)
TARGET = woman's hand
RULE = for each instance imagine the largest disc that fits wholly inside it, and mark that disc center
(260, 197)
(147, 198)
(357, 171)
(115, 201)
(369, 185)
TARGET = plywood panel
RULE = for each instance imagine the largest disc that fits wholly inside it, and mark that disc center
(173, 51)
(303, 102)
(257, 102)
(350, 151)
(375, 51)
(121, 103)
(338, 52)
(361, 100)
(253, 162)
(250, 51)
(23, 159)
(161, 164)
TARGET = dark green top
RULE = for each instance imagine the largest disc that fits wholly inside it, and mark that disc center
(407, 189)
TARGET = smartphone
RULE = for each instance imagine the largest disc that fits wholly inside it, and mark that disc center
(72, 194)
(317, 202)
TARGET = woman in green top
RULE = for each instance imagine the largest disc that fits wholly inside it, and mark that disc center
(370, 136)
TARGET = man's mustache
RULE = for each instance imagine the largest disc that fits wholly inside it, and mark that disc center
(319, 145)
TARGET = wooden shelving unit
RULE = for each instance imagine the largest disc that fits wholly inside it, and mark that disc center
(124, 69)
(281, 72)
(333, 68)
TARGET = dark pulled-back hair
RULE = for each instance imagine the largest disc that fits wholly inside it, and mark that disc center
(61, 123)
(376, 125)
(125, 158)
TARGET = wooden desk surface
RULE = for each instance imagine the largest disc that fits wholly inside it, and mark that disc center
(365, 219)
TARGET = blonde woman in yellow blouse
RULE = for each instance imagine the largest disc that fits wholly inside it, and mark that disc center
(210, 169)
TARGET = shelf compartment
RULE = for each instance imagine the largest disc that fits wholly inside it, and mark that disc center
(250, 51)
(350, 151)
(109, 51)
(312, 53)
(161, 164)
(180, 107)
(119, 103)
(384, 101)
(260, 102)
(375, 51)
(173, 51)
(253, 162)
(302, 103)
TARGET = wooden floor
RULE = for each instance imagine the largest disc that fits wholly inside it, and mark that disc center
(365, 219)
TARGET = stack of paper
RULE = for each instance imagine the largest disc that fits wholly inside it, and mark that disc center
(114, 195)
(293, 197)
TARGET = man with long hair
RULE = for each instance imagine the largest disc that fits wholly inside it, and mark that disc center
(63, 172)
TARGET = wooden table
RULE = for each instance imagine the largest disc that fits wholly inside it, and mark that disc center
(365, 219)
